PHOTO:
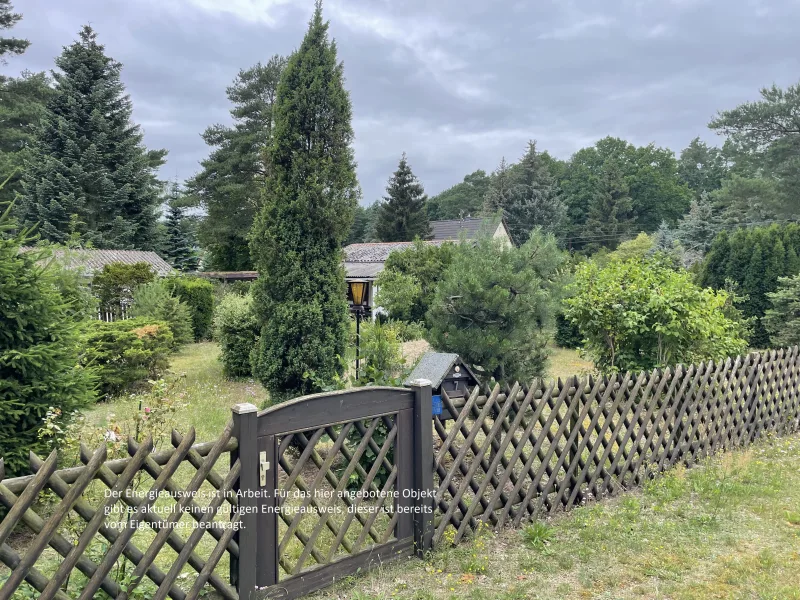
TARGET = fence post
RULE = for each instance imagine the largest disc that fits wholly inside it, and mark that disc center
(423, 466)
(243, 570)
(574, 422)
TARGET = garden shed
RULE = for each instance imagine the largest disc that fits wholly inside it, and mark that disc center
(446, 372)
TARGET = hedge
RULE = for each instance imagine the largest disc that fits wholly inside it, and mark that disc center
(199, 295)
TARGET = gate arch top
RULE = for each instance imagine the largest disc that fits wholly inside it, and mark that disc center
(330, 408)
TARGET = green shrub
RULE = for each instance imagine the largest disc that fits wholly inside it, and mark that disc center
(381, 355)
(198, 294)
(39, 342)
(154, 302)
(125, 354)
(114, 285)
(236, 329)
(642, 314)
(567, 334)
(408, 282)
(408, 331)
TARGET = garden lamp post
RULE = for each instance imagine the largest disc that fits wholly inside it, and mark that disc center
(358, 292)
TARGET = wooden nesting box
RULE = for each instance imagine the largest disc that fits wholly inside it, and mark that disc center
(445, 372)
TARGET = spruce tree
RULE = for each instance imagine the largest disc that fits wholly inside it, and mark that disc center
(697, 228)
(307, 211)
(402, 216)
(534, 200)
(39, 345)
(88, 168)
(178, 246)
(610, 215)
(8, 19)
(233, 177)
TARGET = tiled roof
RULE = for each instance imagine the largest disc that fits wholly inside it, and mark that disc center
(374, 252)
(363, 270)
(93, 261)
(451, 230)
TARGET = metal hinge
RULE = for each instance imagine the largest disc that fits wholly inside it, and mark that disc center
(263, 467)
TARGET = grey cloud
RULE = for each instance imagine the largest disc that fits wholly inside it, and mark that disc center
(455, 83)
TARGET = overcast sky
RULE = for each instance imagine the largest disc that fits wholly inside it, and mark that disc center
(457, 84)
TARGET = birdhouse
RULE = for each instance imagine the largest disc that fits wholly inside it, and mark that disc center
(446, 372)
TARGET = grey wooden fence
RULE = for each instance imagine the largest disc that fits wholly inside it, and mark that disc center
(326, 485)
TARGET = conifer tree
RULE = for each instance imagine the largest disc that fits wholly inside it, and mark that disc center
(534, 199)
(7, 20)
(178, 245)
(22, 105)
(233, 177)
(498, 196)
(39, 344)
(610, 215)
(311, 195)
(88, 167)
(402, 216)
(697, 228)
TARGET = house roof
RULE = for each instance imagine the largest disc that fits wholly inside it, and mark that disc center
(93, 261)
(363, 270)
(451, 230)
(434, 366)
(376, 252)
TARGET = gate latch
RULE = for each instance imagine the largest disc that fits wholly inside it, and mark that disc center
(263, 467)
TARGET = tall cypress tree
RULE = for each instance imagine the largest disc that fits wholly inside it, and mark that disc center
(307, 211)
(233, 177)
(88, 169)
(402, 216)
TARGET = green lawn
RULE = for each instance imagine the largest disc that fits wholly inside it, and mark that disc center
(208, 396)
(729, 529)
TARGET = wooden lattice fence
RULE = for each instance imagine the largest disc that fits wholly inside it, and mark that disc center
(321, 487)
(128, 511)
(511, 457)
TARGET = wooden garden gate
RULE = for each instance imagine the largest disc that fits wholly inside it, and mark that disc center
(332, 484)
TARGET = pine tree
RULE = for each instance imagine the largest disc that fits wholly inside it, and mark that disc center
(39, 344)
(22, 105)
(308, 206)
(610, 215)
(88, 159)
(178, 246)
(232, 181)
(402, 216)
(22, 101)
(7, 20)
(534, 200)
